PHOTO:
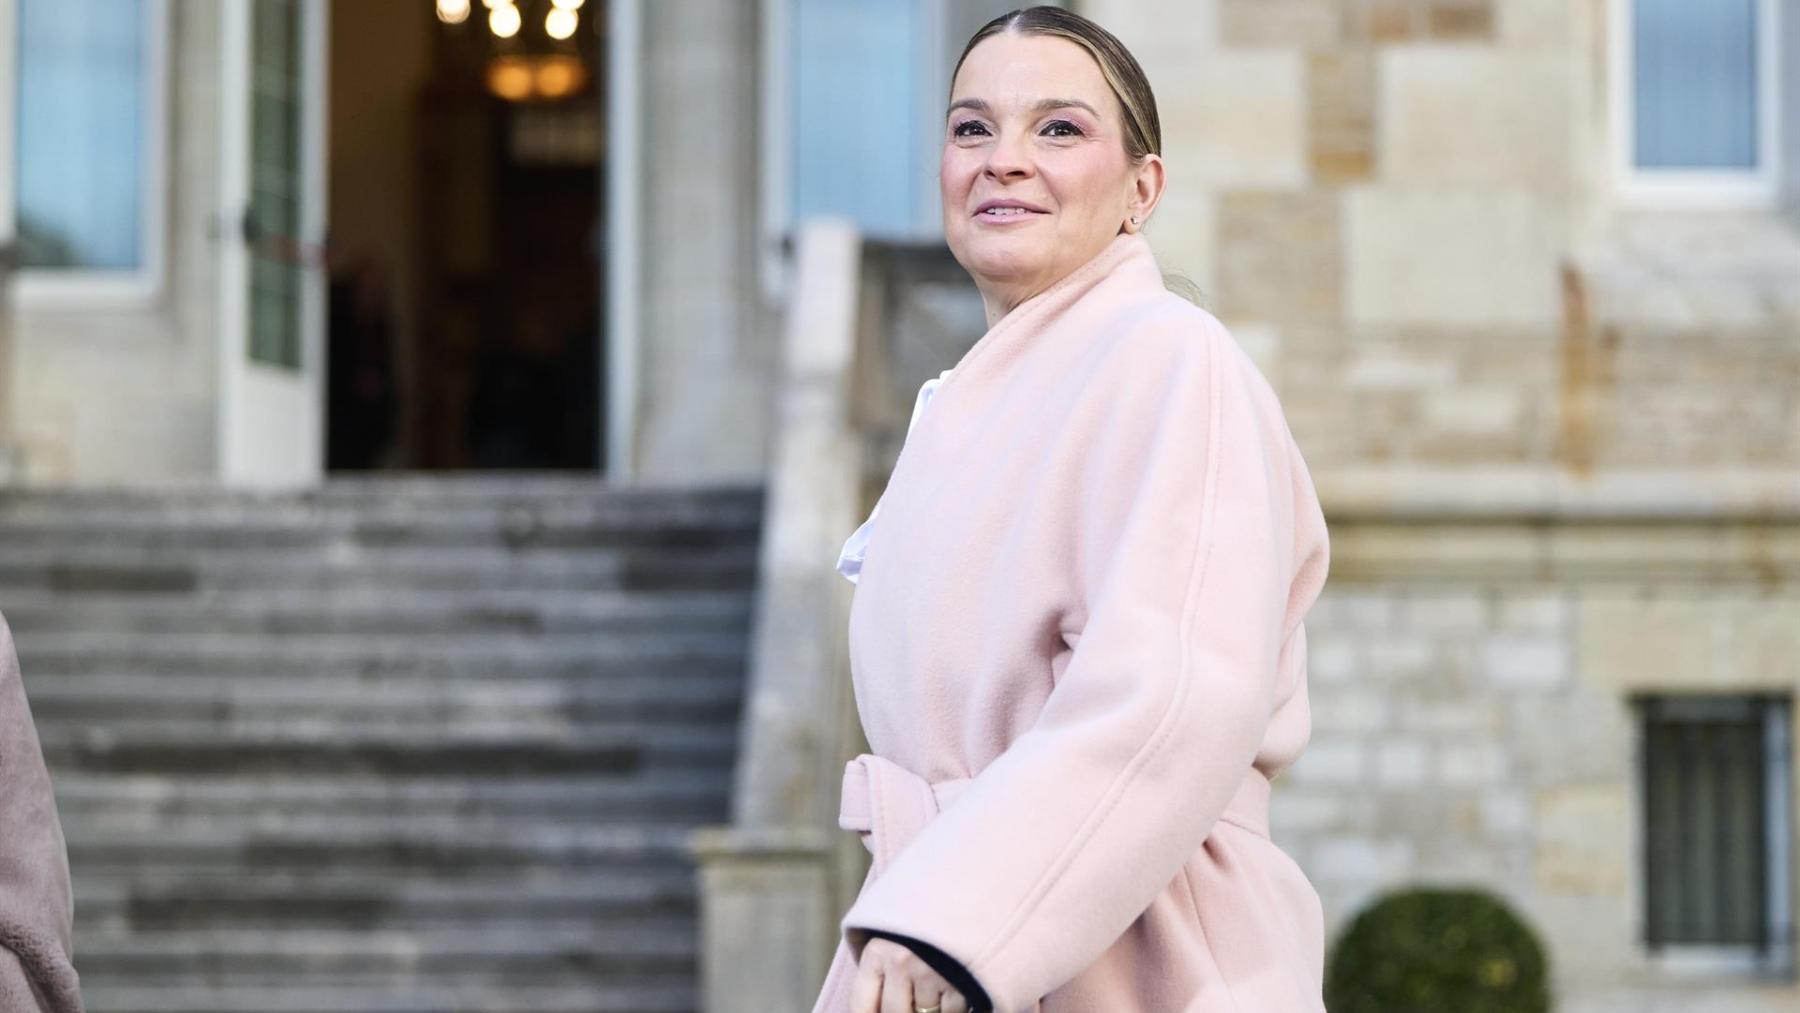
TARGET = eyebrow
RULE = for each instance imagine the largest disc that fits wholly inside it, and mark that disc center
(1041, 106)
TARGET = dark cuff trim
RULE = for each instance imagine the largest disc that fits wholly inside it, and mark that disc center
(945, 965)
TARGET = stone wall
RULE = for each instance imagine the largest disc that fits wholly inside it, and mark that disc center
(1477, 730)
(1401, 208)
(1556, 434)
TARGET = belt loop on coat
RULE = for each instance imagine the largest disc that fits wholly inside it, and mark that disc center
(888, 804)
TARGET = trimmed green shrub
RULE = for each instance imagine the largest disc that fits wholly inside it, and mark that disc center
(1437, 950)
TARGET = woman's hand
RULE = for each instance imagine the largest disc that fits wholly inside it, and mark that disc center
(892, 979)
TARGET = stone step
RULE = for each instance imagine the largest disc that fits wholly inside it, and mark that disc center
(234, 519)
(444, 848)
(421, 997)
(633, 503)
(700, 795)
(481, 655)
(421, 490)
(396, 743)
(162, 903)
(86, 698)
(280, 610)
(515, 529)
(659, 951)
(82, 569)
(284, 747)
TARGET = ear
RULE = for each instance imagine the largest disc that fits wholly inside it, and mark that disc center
(1146, 189)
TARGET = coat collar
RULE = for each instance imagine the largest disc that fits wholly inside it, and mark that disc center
(1125, 263)
(1123, 274)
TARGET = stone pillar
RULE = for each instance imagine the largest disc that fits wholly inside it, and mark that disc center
(767, 927)
(708, 346)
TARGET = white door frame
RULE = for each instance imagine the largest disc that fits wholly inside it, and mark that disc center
(624, 193)
(271, 420)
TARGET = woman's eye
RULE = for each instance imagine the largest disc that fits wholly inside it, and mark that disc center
(965, 128)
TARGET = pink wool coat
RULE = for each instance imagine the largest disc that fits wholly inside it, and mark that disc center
(1078, 656)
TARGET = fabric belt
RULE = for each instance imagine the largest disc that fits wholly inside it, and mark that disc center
(888, 805)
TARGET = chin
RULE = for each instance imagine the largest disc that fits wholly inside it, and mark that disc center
(1000, 256)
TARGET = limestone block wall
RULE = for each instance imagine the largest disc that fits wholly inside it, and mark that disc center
(1474, 729)
(1403, 209)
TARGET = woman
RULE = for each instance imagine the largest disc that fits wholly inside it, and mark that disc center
(1076, 637)
(36, 902)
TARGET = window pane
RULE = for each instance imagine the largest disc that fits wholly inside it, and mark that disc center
(1705, 811)
(1695, 84)
(1662, 841)
(276, 176)
(856, 129)
(80, 133)
(1744, 895)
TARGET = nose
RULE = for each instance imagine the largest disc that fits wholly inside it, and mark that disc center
(1009, 156)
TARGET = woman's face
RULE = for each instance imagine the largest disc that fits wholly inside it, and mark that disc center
(1033, 121)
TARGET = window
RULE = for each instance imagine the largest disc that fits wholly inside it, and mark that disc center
(1716, 830)
(277, 182)
(844, 126)
(1699, 107)
(81, 146)
(857, 114)
(853, 115)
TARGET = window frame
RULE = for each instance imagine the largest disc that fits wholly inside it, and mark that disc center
(775, 209)
(1754, 188)
(1713, 963)
(94, 288)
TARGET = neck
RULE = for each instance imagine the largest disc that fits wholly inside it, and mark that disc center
(999, 298)
(999, 301)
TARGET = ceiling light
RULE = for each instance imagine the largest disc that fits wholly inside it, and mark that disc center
(560, 23)
(504, 20)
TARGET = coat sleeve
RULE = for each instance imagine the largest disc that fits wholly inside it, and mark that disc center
(36, 900)
(1185, 551)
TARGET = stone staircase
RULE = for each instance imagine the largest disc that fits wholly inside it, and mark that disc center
(390, 744)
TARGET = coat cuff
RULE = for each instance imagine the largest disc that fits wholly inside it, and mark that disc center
(948, 967)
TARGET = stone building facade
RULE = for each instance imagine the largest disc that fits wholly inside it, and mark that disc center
(1555, 423)
(1553, 412)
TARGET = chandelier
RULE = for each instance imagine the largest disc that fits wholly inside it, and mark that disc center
(533, 61)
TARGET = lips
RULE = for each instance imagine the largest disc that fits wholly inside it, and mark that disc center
(1019, 204)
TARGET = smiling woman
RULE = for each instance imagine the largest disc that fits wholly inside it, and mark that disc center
(1076, 638)
(1036, 123)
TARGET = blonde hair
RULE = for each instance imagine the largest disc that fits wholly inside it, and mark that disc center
(1143, 131)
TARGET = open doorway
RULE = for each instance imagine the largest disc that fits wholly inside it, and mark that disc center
(466, 185)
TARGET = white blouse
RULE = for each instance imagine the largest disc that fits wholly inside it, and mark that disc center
(850, 560)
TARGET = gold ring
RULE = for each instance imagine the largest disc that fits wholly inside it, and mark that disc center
(928, 1009)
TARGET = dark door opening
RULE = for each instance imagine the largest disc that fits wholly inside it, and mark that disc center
(466, 175)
